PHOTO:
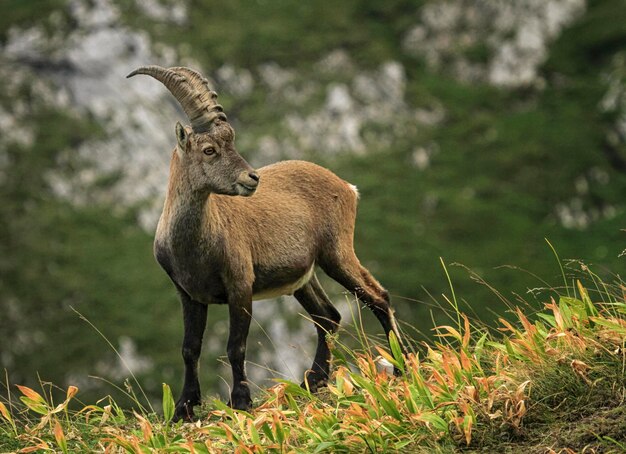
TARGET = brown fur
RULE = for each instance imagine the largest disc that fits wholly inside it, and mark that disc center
(220, 249)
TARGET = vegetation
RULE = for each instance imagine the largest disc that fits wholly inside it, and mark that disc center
(553, 380)
(17, 13)
(247, 33)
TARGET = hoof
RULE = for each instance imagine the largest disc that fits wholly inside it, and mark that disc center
(314, 381)
(185, 412)
(241, 405)
(240, 399)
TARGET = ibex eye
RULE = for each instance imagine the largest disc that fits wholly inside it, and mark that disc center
(209, 151)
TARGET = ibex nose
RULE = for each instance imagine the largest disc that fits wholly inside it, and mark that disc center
(249, 180)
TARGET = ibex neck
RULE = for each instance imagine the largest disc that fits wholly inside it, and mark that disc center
(186, 239)
(188, 211)
(186, 214)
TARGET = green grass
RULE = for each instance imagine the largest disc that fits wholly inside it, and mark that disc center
(289, 32)
(22, 14)
(553, 380)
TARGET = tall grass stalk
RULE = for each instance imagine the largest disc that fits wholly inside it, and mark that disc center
(558, 261)
(123, 361)
(454, 303)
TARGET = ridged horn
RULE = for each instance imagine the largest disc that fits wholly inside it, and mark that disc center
(192, 92)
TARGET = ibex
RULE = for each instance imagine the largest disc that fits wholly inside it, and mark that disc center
(220, 249)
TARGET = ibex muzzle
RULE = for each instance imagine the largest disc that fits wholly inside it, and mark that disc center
(247, 182)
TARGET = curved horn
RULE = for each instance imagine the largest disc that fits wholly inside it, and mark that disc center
(192, 92)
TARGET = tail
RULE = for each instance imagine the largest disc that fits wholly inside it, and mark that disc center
(355, 190)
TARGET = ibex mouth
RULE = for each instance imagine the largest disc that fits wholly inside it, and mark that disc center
(247, 183)
(245, 190)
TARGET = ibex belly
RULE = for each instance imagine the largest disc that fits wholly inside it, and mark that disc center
(286, 288)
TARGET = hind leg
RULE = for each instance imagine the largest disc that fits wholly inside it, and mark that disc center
(326, 318)
(358, 280)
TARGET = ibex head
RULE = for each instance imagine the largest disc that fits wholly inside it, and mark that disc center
(206, 149)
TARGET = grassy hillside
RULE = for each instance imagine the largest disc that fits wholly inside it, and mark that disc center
(553, 380)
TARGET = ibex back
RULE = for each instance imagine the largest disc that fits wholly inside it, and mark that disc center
(218, 249)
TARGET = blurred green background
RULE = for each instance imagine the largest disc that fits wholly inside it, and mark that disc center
(451, 158)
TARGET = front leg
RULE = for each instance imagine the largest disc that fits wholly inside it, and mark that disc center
(194, 317)
(240, 310)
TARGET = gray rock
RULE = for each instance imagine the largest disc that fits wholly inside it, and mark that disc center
(164, 10)
(511, 36)
(237, 82)
(336, 62)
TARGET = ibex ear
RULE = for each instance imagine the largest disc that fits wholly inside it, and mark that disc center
(181, 137)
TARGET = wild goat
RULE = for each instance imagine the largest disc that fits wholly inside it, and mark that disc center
(219, 249)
